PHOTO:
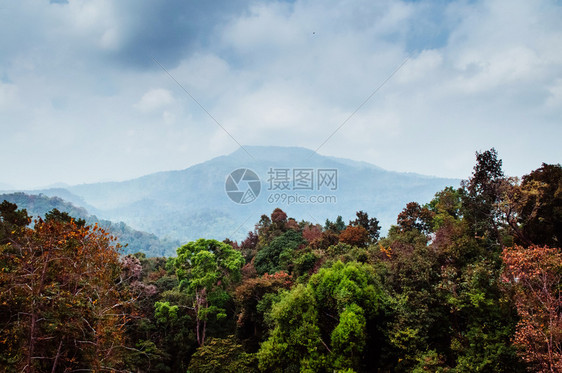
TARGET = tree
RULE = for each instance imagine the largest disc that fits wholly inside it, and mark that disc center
(355, 236)
(541, 212)
(278, 217)
(336, 226)
(278, 254)
(312, 233)
(295, 342)
(270, 228)
(325, 325)
(446, 207)
(249, 297)
(420, 317)
(483, 194)
(62, 304)
(248, 247)
(63, 217)
(482, 318)
(371, 225)
(535, 273)
(222, 355)
(12, 221)
(205, 269)
(415, 217)
(162, 333)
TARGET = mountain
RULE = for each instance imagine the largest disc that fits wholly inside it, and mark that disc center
(132, 240)
(188, 204)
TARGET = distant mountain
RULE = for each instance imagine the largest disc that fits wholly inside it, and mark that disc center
(192, 203)
(132, 240)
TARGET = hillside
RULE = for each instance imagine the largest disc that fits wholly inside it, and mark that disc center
(132, 240)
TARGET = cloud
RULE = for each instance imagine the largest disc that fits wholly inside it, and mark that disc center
(155, 99)
(8, 96)
(168, 31)
(80, 79)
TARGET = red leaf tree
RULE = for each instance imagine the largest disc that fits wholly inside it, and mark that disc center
(536, 276)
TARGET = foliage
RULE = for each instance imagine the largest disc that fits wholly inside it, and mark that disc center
(483, 193)
(415, 217)
(355, 236)
(249, 296)
(62, 305)
(278, 254)
(222, 355)
(336, 226)
(132, 240)
(541, 212)
(323, 326)
(536, 276)
(163, 330)
(371, 225)
(468, 282)
(205, 269)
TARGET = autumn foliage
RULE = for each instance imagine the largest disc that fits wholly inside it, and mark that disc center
(469, 282)
(61, 304)
(356, 236)
(536, 275)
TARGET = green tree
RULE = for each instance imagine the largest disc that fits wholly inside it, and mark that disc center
(278, 255)
(446, 207)
(541, 213)
(483, 320)
(336, 226)
(12, 221)
(64, 217)
(224, 355)
(483, 194)
(327, 324)
(295, 342)
(205, 269)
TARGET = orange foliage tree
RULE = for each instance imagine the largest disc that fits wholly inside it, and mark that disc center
(355, 236)
(536, 276)
(62, 305)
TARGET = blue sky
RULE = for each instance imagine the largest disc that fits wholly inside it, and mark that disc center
(83, 100)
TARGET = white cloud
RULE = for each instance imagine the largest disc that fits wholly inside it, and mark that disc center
(480, 74)
(555, 98)
(154, 100)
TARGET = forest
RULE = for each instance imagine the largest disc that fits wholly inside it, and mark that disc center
(469, 282)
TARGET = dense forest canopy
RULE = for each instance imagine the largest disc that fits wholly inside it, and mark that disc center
(469, 282)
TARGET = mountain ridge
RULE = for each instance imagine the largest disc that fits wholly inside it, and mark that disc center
(191, 203)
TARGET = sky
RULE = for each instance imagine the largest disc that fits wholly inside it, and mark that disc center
(96, 90)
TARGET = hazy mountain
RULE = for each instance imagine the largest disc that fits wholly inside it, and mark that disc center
(132, 240)
(192, 203)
